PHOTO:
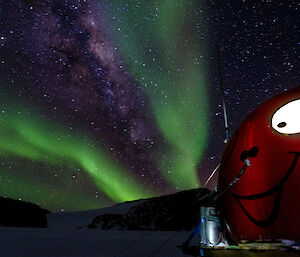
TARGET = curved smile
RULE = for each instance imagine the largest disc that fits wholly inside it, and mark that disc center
(277, 189)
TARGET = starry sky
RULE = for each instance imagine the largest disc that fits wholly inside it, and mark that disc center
(108, 101)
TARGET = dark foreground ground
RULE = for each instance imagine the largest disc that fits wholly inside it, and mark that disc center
(57, 242)
(68, 234)
(242, 253)
(250, 254)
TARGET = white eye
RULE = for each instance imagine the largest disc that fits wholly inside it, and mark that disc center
(286, 120)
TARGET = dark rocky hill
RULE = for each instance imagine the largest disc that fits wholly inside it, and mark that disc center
(180, 211)
(16, 213)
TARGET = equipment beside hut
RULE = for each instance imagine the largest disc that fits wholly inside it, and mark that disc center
(258, 189)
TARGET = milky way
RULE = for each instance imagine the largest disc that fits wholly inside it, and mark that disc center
(58, 58)
(70, 70)
(107, 101)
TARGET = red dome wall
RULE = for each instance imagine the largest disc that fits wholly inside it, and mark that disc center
(265, 202)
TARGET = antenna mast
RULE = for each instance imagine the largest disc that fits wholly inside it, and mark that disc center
(227, 135)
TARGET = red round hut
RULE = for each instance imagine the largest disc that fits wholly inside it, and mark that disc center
(265, 202)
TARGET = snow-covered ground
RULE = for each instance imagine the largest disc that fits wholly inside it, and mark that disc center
(67, 235)
(28, 242)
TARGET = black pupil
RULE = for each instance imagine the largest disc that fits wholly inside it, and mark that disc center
(281, 124)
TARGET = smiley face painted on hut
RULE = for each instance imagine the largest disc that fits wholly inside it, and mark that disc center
(262, 203)
(286, 121)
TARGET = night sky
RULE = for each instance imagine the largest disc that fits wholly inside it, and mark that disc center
(108, 101)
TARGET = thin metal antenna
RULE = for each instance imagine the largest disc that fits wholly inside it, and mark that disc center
(227, 135)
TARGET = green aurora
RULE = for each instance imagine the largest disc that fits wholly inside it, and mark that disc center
(25, 135)
(159, 47)
(45, 196)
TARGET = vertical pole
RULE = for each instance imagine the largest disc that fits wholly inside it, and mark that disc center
(227, 136)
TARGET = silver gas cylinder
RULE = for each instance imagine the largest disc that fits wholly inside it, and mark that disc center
(211, 231)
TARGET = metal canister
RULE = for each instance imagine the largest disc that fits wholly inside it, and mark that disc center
(211, 231)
